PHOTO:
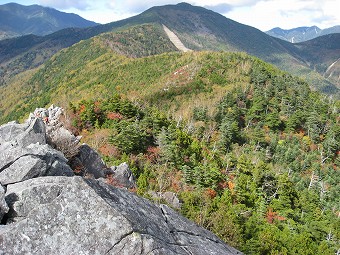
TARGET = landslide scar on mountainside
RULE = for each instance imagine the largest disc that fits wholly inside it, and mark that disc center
(175, 40)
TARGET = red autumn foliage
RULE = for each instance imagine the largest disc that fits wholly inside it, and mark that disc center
(153, 154)
(97, 110)
(222, 185)
(176, 181)
(231, 176)
(210, 193)
(78, 169)
(271, 216)
(109, 150)
(114, 116)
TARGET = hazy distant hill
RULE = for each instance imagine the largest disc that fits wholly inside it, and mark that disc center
(17, 20)
(301, 34)
(323, 55)
(198, 28)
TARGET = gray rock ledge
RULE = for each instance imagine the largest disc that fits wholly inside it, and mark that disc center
(74, 215)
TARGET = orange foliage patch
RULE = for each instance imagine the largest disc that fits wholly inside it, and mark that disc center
(313, 147)
(153, 154)
(114, 116)
(271, 216)
(282, 136)
(210, 193)
(109, 150)
(231, 185)
(82, 108)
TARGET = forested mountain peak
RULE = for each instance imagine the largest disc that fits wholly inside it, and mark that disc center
(17, 20)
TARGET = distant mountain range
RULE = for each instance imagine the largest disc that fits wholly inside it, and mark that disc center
(301, 34)
(198, 29)
(17, 20)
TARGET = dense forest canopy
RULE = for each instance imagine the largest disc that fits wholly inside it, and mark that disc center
(258, 167)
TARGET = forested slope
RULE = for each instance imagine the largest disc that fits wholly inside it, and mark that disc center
(258, 167)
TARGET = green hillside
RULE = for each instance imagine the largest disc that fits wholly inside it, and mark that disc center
(202, 29)
(107, 64)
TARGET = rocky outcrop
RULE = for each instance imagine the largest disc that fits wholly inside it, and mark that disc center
(45, 209)
(89, 162)
(24, 153)
(73, 215)
(22, 135)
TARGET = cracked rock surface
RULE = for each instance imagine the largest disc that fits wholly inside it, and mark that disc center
(73, 215)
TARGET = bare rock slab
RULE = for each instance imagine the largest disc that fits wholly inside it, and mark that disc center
(73, 215)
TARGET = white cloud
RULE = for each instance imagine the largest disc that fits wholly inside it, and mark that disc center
(66, 4)
(135, 6)
(287, 14)
(220, 8)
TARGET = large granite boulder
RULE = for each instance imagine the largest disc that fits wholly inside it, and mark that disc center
(74, 215)
(22, 163)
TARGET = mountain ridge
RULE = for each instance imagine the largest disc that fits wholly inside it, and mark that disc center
(17, 20)
(301, 34)
(320, 54)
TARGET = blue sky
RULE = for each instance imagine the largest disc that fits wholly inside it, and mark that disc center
(262, 14)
